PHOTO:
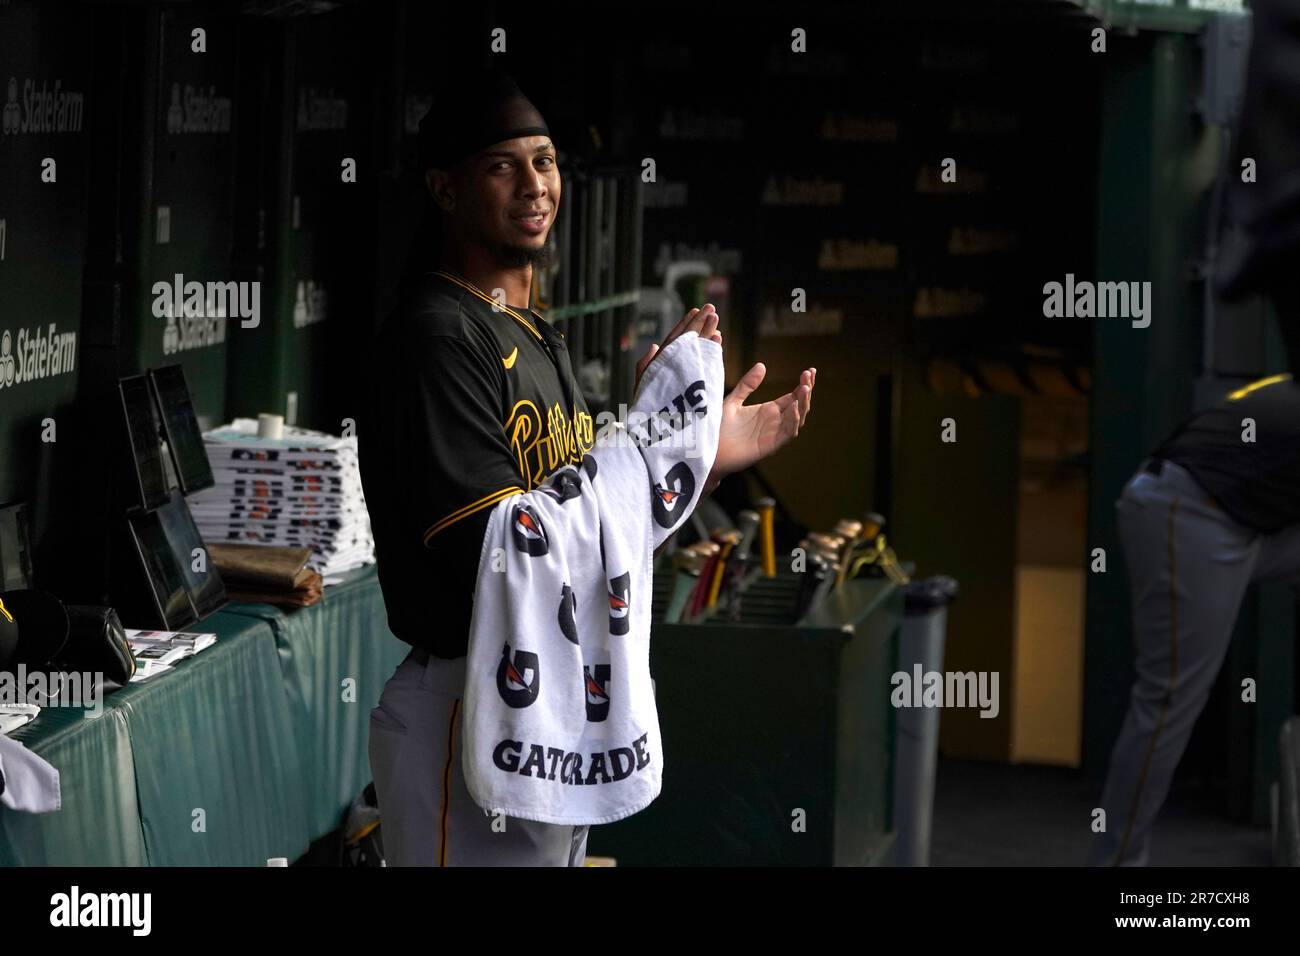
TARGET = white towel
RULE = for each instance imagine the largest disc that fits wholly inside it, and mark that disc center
(560, 719)
(13, 716)
(27, 782)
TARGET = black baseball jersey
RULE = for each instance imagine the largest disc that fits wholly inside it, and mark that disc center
(464, 407)
(1256, 482)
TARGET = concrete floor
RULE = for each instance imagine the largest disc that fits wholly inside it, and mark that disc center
(988, 814)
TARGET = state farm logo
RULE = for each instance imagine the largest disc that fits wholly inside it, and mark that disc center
(36, 353)
(199, 112)
(321, 110)
(12, 114)
(7, 370)
(41, 109)
(196, 312)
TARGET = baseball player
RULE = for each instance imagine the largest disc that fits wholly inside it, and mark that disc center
(474, 399)
(1206, 515)
(1217, 506)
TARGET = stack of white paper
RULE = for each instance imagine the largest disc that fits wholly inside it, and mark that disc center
(302, 490)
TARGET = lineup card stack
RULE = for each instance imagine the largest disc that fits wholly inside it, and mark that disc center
(302, 490)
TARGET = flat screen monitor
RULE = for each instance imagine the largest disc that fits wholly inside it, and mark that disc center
(207, 590)
(181, 428)
(148, 485)
(171, 597)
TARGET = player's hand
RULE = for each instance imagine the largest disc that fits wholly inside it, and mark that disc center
(750, 433)
(703, 322)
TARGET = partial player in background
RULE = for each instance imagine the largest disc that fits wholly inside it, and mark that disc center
(1210, 512)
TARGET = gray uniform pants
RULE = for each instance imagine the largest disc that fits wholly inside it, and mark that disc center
(1189, 565)
(426, 813)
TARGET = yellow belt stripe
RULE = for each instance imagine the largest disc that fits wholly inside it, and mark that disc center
(1255, 386)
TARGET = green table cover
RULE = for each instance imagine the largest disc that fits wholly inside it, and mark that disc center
(335, 657)
(216, 736)
(99, 821)
(265, 732)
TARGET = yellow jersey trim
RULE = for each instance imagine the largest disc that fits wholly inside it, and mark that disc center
(470, 287)
(486, 501)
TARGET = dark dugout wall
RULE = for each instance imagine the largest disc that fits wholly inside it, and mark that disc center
(44, 160)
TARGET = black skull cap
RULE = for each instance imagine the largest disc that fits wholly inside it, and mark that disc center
(481, 108)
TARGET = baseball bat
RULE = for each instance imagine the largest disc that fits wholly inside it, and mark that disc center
(728, 543)
(825, 582)
(707, 552)
(767, 514)
(748, 529)
(684, 577)
(816, 575)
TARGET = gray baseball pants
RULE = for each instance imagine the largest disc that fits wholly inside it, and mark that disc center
(1189, 565)
(426, 813)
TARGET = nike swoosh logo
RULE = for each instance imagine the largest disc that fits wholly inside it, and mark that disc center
(509, 360)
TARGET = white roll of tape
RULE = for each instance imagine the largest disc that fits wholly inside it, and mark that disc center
(270, 426)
